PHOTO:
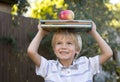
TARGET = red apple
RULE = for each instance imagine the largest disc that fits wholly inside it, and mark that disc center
(66, 15)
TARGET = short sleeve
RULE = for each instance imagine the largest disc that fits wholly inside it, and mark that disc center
(43, 69)
(95, 64)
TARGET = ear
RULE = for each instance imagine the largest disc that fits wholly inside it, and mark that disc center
(77, 52)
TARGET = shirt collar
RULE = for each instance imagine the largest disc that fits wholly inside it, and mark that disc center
(74, 66)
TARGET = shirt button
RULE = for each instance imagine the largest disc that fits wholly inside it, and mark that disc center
(68, 71)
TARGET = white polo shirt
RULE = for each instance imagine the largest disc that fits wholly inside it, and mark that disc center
(82, 70)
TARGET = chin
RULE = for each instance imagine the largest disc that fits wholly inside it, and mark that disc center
(64, 58)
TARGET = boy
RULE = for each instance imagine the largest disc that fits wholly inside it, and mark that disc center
(66, 46)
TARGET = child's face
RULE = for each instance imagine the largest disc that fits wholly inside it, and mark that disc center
(64, 47)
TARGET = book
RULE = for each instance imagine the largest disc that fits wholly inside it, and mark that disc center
(76, 25)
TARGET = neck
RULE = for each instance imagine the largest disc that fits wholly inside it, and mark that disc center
(66, 63)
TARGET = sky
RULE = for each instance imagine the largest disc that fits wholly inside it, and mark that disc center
(114, 1)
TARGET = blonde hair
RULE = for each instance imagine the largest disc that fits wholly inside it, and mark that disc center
(69, 32)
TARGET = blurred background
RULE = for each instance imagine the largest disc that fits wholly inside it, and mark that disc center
(18, 26)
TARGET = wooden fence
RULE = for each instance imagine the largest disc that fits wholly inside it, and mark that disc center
(15, 36)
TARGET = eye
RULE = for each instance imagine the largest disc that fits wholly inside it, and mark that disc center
(58, 43)
(69, 43)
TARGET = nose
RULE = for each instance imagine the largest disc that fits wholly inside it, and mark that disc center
(64, 45)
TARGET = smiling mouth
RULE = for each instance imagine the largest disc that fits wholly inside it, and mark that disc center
(64, 52)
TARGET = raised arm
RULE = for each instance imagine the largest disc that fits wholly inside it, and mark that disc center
(106, 51)
(34, 45)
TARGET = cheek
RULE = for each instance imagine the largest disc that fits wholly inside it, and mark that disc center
(55, 49)
(73, 48)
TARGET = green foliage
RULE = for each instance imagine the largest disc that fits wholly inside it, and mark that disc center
(110, 66)
(46, 44)
(7, 40)
(118, 70)
(11, 41)
(20, 7)
(31, 35)
(9, 1)
(115, 22)
(47, 9)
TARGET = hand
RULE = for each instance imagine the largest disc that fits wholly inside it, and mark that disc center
(44, 32)
(93, 28)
